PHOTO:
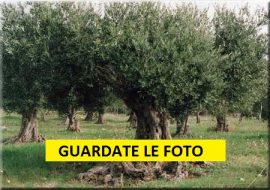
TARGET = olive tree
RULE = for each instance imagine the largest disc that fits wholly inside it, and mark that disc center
(158, 58)
(243, 69)
(154, 57)
(71, 48)
(25, 53)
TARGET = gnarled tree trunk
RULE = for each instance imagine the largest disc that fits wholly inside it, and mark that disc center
(101, 119)
(259, 116)
(179, 126)
(164, 126)
(73, 123)
(198, 118)
(29, 129)
(222, 123)
(151, 124)
(186, 131)
(182, 127)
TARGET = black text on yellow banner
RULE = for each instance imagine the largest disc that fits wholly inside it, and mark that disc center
(135, 150)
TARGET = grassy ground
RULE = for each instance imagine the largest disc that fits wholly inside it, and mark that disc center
(246, 165)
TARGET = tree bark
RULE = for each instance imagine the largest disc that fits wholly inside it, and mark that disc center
(222, 123)
(260, 112)
(151, 124)
(101, 119)
(164, 125)
(73, 123)
(198, 119)
(182, 127)
(29, 129)
(186, 130)
(179, 125)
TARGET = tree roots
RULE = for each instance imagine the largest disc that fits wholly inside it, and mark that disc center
(22, 139)
(115, 174)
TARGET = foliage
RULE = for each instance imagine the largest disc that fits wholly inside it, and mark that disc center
(95, 98)
(118, 106)
(243, 69)
(25, 54)
(163, 57)
(70, 56)
(73, 35)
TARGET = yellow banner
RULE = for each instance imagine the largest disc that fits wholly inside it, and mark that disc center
(135, 150)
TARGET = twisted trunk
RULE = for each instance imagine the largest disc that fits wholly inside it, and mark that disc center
(182, 127)
(198, 119)
(151, 124)
(101, 119)
(179, 126)
(164, 126)
(29, 129)
(73, 123)
(222, 123)
(186, 130)
(260, 112)
(101, 113)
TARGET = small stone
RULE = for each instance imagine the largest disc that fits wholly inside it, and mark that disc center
(242, 179)
(8, 181)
